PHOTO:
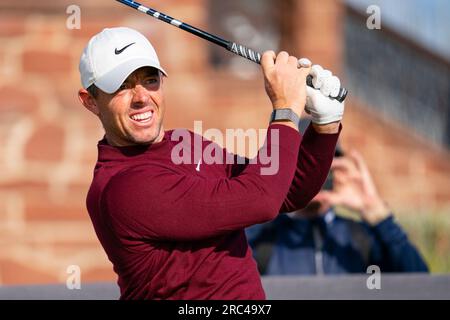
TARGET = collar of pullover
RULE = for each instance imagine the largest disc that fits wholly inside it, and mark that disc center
(106, 152)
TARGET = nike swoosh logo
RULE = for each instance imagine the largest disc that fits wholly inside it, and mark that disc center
(121, 50)
(198, 165)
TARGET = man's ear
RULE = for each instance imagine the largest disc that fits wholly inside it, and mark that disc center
(88, 101)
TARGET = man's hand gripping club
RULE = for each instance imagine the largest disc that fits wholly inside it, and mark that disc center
(285, 84)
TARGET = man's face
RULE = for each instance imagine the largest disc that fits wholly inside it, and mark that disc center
(133, 115)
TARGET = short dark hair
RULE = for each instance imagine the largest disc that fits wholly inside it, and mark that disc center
(93, 90)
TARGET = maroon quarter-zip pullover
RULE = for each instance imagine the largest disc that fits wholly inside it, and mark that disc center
(177, 231)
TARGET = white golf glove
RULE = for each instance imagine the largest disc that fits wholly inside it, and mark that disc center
(319, 105)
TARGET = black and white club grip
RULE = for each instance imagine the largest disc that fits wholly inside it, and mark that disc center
(254, 56)
(245, 52)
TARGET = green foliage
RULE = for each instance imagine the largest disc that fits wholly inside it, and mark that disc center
(430, 232)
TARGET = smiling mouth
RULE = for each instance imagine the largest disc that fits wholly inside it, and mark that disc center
(145, 117)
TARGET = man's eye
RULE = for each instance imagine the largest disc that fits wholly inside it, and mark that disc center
(151, 80)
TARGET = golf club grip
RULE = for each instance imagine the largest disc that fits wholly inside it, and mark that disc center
(254, 56)
(245, 52)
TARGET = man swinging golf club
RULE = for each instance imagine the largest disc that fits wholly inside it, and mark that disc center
(174, 232)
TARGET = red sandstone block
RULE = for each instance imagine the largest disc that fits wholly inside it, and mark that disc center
(2, 58)
(46, 62)
(46, 144)
(41, 206)
(442, 197)
(439, 163)
(99, 274)
(14, 273)
(88, 243)
(11, 26)
(46, 211)
(90, 27)
(17, 99)
(81, 184)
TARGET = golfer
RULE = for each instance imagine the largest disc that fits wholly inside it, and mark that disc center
(176, 231)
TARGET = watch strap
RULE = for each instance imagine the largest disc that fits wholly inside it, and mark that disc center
(285, 114)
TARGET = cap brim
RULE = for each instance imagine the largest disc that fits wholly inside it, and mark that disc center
(111, 81)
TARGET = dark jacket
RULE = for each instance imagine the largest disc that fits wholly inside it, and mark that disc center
(331, 245)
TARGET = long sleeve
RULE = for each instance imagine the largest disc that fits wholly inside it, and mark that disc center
(160, 203)
(313, 164)
(395, 252)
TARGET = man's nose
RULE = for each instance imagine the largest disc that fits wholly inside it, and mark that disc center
(140, 95)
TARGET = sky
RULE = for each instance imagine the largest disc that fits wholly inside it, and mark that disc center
(425, 21)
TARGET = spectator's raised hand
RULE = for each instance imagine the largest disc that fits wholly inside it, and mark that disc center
(354, 189)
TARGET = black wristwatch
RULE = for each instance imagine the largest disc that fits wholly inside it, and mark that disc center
(285, 114)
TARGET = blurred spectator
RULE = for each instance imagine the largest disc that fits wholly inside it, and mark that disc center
(317, 241)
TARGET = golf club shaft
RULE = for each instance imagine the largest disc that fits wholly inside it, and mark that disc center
(230, 46)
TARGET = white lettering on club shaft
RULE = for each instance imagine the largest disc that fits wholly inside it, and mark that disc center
(143, 9)
(176, 23)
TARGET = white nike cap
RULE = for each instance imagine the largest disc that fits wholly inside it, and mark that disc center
(112, 55)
